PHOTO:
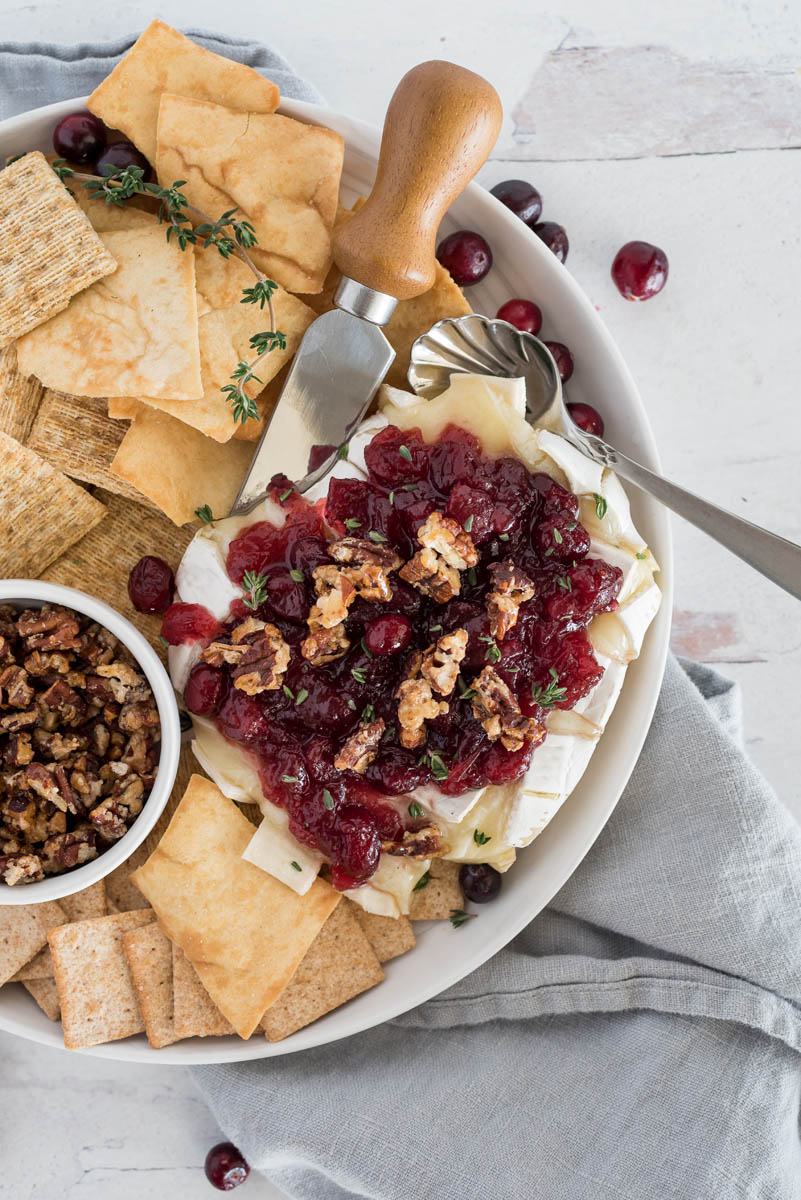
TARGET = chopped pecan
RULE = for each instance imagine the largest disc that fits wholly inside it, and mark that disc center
(20, 868)
(217, 653)
(370, 581)
(441, 661)
(113, 815)
(361, 747)
(446, 538)
(418, 843)
(51, 628)
(6, 647)
(362, 552)
(61, 697)
(246, 629)
(63, 851)
(264, 663)
(39, 780)
(512, 587)
(498, 711)
(125, 683)
(14, 721)
(58, 746)
(432, 576)
(19, 751)
(413, 664)
(416, 705)
(325, 645)
(138, 714)
(15, 687)
(39, 663)
(135, 753)
(335, 593)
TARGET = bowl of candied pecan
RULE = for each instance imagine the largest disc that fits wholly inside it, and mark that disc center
(89, 740)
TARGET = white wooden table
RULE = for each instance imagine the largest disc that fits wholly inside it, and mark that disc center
(678, 124)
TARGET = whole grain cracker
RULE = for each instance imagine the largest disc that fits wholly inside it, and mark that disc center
(282, 175)
(80, 906)
(163, 60)
(95, 989)
(133, 333)
(48, 250)
(19, 397)
(149, 956)
(39, 967)
(194, 1012)
(178, 468)
(23, 933)
(441, 894)
(339, 964)
(389, 936)
(44, 512)
(45, 993)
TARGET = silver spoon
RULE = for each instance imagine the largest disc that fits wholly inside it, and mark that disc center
(478, 345)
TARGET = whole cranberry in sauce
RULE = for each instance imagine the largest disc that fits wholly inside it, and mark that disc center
(563, 359)
(119, 155)
(184, 624)
(519, 196)
(225, 1167)
(205, 690)
(151, 584)
(480, 882)
(466, 256)
(587, 418)
(639, 270)
(523, 314)
(388, 634)
(554, 236)
(80, 137)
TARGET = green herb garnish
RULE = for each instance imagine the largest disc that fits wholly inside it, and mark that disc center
(405, 452)
(351, 523)
(358, 674)
(422, 881)
(255, 587)
(298, 576)
(480, 838)
(548, 696)
(459, 917)
(415, 810)
(295, 866)
(204, 513)
(600, 506)
(328, 799)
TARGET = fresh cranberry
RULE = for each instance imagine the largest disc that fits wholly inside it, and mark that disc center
(554, 236)
(590, 587)
(80, 137)
(523, 199)
(183, 624)
(504, 766)
(560, 538)
(397, 772)
(242, 719)
(120, 155)
(225, 1167)
(360, 845)
(523, 314)
(151, 584)
(639, 270)
(286, 593)
(347, 502)
(451, 462)
(396, 456)
(474, 511)
(466, 257)
(480, 882)
(563, 359)
(389, 634)
(587, 418)
(205, 689)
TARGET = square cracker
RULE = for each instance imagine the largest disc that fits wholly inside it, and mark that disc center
(389, 936)
(441, 894)
(123, 894)
(339, 964)
(178, 468)
(90, 902)
(149, 956)
(43, 512)
(244, 932)
(100, 562)
(95, 989)
(135, 332)
(23, 933)
(194, 1012)
(19, 397)
(281, 174)
(45, 993)
(75, 434)
(163, 60)
(48, 250)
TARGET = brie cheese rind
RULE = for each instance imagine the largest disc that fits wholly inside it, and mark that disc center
(510, 815)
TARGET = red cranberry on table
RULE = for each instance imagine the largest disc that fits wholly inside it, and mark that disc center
(119, 155)
(519, 196)
(587, 418)
(554, 236)
(388, 634)
(480, 882)
(563, 359)
(640, 270)
(80, 137)
(523, 314)
(225, 1167)
(466, 256)
(151, 584)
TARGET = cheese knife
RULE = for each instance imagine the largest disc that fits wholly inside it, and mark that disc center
(440, 126)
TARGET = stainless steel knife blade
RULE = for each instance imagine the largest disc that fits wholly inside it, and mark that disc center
(340, 364)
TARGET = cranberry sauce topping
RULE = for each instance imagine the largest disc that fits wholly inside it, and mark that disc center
(296, 725)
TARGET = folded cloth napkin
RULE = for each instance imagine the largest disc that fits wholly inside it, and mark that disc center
(638, 1041)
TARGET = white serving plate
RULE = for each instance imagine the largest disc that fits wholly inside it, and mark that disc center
(523, 266)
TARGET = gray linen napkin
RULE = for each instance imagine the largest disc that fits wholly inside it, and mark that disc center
(640, 1039)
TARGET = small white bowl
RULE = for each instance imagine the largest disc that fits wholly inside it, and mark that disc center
(32, 593)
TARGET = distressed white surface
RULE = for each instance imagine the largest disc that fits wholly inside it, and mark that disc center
(717, 358)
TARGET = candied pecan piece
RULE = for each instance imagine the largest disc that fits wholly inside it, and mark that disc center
(432, 576)
(498, 711)
(135, 753)
(19, 751)
(370, 581)
(441, 661)
(362, 552)
(125, 683)
(65, 700)
(57, 746)
(335, 593)
(20, 868)
(361, 747)
(446, 538)
(217, 653)
(39, 663)
(20, 720)
(418, 843)
(51, 628)
(40, 780)
(138, 714)
(40, 620)
(15, 688)
(325, 645)
(413, 664)
(73, 802)
(6, 647)
(63, 851)
(416, 705)
(245, 630)
(511, 588)
(264, 663)
(98, 690)
(112, 816)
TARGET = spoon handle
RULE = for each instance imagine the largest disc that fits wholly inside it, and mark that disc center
(773, 556)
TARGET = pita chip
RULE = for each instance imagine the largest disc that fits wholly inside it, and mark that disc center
(163, 60)
(282, 175)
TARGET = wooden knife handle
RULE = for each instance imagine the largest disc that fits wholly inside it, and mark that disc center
(440, 126)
